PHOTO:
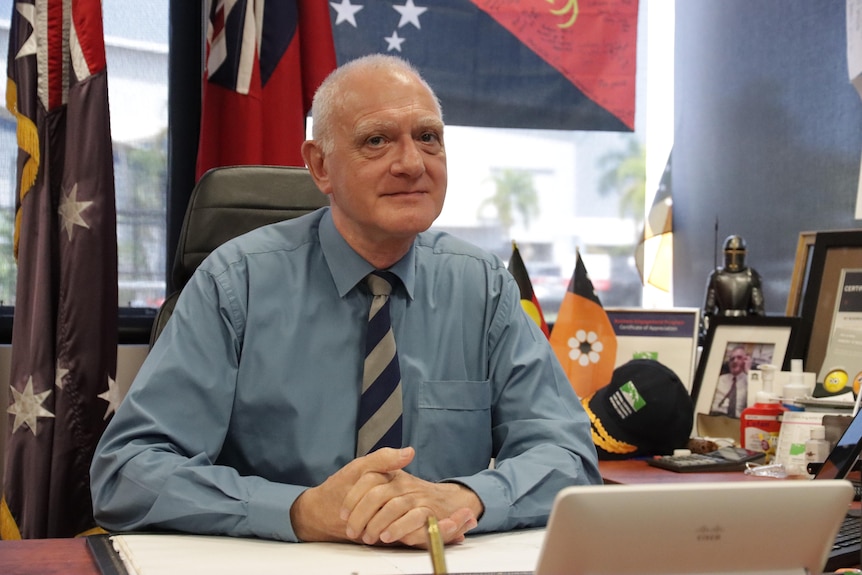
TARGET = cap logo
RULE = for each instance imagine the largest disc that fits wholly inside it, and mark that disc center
(627, 400)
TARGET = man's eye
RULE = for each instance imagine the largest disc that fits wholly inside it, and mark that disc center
(429, 137)
(375, 140)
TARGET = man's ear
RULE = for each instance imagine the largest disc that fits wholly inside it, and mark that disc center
(313, 156)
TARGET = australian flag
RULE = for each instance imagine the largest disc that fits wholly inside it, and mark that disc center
(553, 64)
(64, 338)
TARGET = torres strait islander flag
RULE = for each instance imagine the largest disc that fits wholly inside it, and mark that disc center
(264, 61)
(555, 64)
(583, 337)
(528, 297)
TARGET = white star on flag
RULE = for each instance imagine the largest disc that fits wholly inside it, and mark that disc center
(112, 396)
(27, 406)
(60, 373)
(346, 12)
(409, 14)
(394, 42)
(70, 211)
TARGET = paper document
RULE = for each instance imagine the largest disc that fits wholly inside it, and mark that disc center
(183, 554)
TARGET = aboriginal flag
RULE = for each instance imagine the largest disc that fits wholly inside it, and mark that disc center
(528, 298)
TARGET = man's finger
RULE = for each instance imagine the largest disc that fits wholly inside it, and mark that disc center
(388, 459)
(383, 461)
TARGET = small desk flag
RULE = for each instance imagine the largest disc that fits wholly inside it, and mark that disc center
(583, 337)
(528, 297)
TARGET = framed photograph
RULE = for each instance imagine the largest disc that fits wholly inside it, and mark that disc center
(668, 336)
(831, 310)
(734, 346)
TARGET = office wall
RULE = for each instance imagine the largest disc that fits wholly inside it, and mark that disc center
(768, 135)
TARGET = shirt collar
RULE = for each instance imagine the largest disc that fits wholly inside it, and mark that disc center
(348, 268)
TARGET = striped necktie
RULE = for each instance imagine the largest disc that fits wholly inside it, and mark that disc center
(731, 399)
(380, 408)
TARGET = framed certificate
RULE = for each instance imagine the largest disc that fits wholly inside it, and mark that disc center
(668, 336)
(832, 310)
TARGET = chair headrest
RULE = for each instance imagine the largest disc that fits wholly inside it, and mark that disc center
(229, 201)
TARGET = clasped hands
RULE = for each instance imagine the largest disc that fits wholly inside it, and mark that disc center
(372, 500)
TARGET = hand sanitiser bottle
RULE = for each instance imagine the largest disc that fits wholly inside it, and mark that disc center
(760, 424)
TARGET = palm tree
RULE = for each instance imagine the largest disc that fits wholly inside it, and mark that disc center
(625, 174)
(515, 194)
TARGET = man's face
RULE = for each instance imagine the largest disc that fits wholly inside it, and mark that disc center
(737, 361)
(386, 175)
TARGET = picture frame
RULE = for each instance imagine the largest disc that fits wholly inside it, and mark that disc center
(834, 254)
(772, 339)
(801, 266)
(668, 336)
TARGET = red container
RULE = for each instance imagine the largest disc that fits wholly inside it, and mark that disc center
(760, 424)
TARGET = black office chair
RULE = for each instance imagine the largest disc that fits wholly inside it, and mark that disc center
(227, 202)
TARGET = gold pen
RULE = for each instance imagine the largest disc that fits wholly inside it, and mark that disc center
(435, 547)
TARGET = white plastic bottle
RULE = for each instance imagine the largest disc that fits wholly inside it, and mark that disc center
(795, 387)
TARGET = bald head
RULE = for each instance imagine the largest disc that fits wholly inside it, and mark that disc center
(337, 86)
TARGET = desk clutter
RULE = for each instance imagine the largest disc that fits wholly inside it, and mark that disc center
(783, 419)
(782, 431)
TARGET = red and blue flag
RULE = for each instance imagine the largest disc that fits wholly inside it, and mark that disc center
(264, 61)
(554, 64)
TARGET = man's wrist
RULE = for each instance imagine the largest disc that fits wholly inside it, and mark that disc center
(303, 526)
(468, 498)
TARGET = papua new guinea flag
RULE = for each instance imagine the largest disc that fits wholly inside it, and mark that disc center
(552, 64)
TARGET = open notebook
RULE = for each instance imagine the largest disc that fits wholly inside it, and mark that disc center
(753, 527)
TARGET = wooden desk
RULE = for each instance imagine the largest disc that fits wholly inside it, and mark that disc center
(637, 471)
(72, 557)
(47, 557)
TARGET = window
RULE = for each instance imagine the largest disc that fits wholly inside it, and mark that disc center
(541, 188)
(136, 44)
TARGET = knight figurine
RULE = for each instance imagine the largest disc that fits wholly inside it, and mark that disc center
(735, 289)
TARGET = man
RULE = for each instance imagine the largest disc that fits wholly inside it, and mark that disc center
(731, 392)
(243, 418)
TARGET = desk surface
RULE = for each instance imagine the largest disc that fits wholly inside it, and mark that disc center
(637, 471)
(72, 557)
(47, 557)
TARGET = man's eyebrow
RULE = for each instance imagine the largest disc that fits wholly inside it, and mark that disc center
(366, 127)
(430, 122)
(370, 126)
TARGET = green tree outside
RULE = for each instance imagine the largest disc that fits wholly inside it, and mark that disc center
(514, 196)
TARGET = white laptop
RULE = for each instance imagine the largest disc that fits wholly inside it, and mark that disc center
(754, 527)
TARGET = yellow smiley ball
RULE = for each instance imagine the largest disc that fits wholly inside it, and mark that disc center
(835, 380)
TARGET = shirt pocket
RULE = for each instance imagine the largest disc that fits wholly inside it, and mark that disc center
(453, 428)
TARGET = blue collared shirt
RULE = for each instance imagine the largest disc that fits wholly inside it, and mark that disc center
(250, 394)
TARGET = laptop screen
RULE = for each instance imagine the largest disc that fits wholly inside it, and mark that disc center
(843, 456)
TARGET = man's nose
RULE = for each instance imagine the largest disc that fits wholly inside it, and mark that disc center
(409, 159)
